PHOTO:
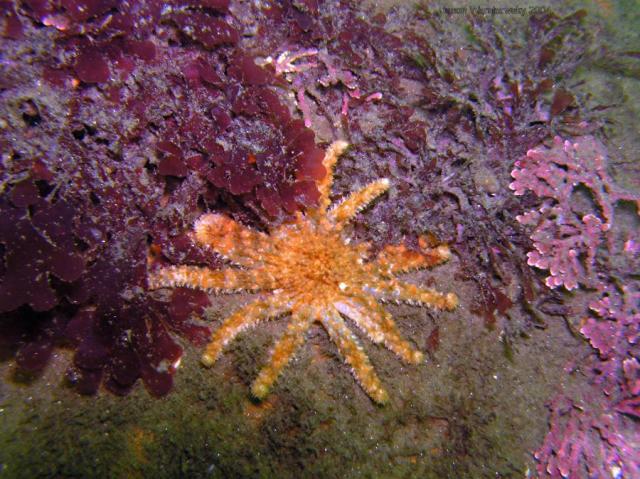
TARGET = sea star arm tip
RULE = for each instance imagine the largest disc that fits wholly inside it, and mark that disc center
(208, 360)
(378, 324)
(451, 301)
(400, 291)
(335, 150)
(231, 239)
(356, 201)
(282, 352)
(352, 352)
(399, 259)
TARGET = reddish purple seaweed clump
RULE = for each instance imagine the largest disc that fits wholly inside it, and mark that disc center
(151, 113)
(35, 249)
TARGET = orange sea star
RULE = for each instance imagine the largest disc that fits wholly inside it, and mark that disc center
(307, 268)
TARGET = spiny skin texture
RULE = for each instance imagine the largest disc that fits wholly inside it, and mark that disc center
(308, 269)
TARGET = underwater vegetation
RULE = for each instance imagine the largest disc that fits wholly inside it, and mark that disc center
(123, 122)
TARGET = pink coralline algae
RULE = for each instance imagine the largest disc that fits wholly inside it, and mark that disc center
(592, 434)
(596, 435)
(615, 327)
(565, 237)
(588, 442)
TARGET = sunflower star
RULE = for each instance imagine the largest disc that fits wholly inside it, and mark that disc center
(305, 267)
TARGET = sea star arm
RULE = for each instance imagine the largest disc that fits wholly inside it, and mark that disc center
(209, 279)
(352, 351)
(330, 158)
(356, 201)
(395, 259)
(282, 351)
(242, 319)
(410, 293)
(232, 240)
(371, 318)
